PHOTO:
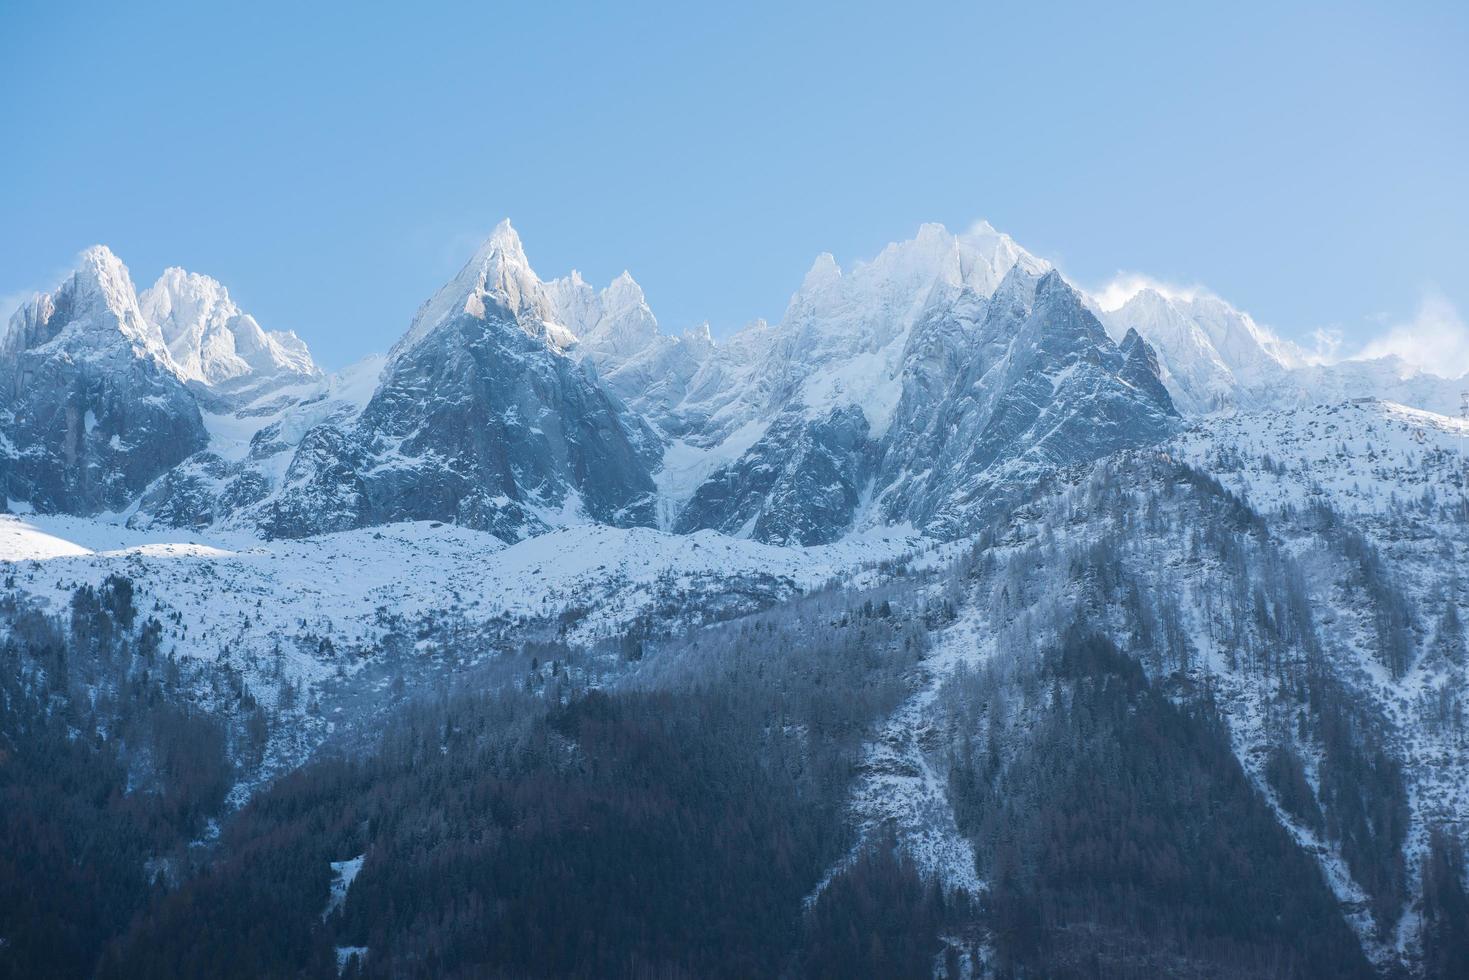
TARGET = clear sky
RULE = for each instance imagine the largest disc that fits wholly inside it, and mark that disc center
(333, 164)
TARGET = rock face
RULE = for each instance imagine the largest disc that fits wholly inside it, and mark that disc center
(912, 388)
(618, 336)
(480, 419)
(981, 376)
(921, 387)
(1041, 386)
(823, 388)
(800, 484)
(91, 405)
(254, 436)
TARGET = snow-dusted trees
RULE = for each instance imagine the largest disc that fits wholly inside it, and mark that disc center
(1445, 907)
(1119, 835)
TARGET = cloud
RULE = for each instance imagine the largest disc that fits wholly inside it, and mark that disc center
(1125, 285)
(1325, 346)
(1435, 340)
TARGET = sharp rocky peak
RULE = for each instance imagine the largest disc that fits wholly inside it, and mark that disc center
(904, 275)
(90, 392)
(213, 341)
(96, 307)
(498, 275)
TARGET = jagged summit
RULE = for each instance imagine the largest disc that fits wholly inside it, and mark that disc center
(498, 274)
(505, 238)
(965, 326)
(612, 324)
(95, 308)
(478, 417)
(904, 273)
(185, 322)
(92, 408)
(823, 273)
(211, 340)
(1215, 358)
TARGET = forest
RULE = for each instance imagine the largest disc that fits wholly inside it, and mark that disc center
(675, 803)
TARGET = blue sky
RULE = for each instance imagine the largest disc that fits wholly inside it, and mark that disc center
(333, 165)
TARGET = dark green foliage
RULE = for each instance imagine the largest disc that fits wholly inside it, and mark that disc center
(668, 831)
(619, 836)
(100, 787)
(1445, 908)
(1284, 773)
(256, 910)
(669, 839)
(72, 844)
(1124, 840)
(877, 918)
(1363, 797)
(1448, 640)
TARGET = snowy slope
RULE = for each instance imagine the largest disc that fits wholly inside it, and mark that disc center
(237, 591)
(1365, 457)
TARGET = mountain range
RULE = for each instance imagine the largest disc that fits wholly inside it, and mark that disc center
(955, 622)
(915, 389)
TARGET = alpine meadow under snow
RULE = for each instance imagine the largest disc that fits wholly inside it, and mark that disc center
(959, 624)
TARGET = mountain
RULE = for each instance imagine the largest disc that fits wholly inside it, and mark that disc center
(1043, 387)
(1239, 649)
(841, 339)
(92, 406)
(985, 392)
(799, 422)
(617, 335)
(907, 390)
(479, 418)
(1002, 635)
(120, 402)
(519, 404)
(799, 484)
(254, 433)
(216, 344)
(1215, 358)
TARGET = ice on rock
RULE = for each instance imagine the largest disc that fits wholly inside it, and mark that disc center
(213, 341)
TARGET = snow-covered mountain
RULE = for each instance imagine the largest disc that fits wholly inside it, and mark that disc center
(518, 404)
(479, 418)
(1041, 386)
(909, 497)
(1215, 358)
(92, 405)
(903, 337)
(841, 340)
(214, 342)
(617, 334)
(915, 388)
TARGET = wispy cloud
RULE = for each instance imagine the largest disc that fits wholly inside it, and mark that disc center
(1435, 340)
(1125, 285)
(1325, 346)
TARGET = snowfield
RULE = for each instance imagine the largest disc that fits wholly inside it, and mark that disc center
(233, 591)
(1363, 456)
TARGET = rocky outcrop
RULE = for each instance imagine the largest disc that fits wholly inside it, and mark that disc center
(800, 484)
(92, 409)
(480, 419)
(1042, 386)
